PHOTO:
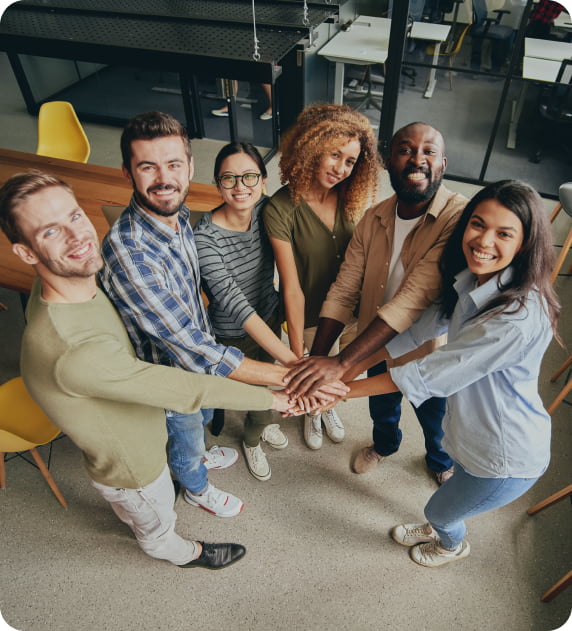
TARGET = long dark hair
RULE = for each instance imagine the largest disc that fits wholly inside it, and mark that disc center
(532, 265)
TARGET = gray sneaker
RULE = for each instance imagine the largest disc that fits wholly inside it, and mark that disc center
(313, 430)
(413, 534)
(334, 427)
(273, 435)
(432, 554)
(257, 462)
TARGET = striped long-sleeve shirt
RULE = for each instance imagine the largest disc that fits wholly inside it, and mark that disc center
(237, 272)
(151, 274)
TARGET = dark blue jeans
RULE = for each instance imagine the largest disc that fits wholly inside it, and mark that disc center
(385, 411)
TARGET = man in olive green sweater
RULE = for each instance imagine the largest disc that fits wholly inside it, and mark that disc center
(80, 367)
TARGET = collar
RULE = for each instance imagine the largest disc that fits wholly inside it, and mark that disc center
(154, 224)
(483, 294)
(436, 206)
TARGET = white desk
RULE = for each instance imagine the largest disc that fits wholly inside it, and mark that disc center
(541, 62)
(367, 42)
(563, 22)
(547, 49)
(437, 33)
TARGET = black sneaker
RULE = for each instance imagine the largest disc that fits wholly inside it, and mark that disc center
(215, 556)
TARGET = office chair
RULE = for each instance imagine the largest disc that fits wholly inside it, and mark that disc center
(555, 110)
(451, 49)
(60, 134)
(484, 27)
(23, 427)
(363, 100)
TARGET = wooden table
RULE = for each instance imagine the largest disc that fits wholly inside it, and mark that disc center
(94, 186)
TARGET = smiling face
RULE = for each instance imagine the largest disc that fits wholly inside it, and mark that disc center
(160, 172)
(60, 238)
(492, 239)
(240, 197)
(337, 164)
(416, 163)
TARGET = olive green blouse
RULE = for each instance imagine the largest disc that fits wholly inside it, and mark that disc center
(318, 251)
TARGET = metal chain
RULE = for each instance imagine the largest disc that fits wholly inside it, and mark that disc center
(256, 53)
(305, 20)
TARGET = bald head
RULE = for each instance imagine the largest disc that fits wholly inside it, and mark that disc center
(416, 163)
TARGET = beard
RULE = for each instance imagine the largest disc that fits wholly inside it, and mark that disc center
(168, 210)
(414, 196)
(71, 269)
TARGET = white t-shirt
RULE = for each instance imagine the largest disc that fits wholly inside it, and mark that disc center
(396, 271)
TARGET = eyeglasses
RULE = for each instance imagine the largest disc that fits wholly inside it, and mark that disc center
(248, 179)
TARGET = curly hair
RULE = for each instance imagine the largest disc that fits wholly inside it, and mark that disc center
(318, 129)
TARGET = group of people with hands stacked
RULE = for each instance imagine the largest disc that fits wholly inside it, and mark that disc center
(124, 356)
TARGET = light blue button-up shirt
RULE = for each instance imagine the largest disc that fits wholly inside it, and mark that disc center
(495, 424)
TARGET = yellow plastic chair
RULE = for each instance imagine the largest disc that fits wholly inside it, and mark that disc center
(23, 427)
(60, 134)
(451, 51)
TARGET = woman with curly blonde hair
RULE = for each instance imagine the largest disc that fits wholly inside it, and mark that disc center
(330, 167)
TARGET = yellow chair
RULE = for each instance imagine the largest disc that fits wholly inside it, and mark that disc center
(60, 134)
(23, 427)
(451, 50)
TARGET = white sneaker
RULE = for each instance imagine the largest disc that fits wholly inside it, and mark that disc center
(273, 435)
(313, 430)
(216, 502)
(220, 112)
(432, 554)
(220, 457)
(257, 462)
(334, 427)
(412, 534)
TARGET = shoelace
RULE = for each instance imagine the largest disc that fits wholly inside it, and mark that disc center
(416, 532)
(271, 432)
(315, 427)
(333, 419)
(212, 457)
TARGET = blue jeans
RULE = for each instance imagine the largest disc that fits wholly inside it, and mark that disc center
(385, 411)
(465, 495)
(187, 449)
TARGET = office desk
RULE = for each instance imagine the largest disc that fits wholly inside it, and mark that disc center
(541, 62)
(547, 49)
(563, 22)
(94, 186)
(367, 42)
(437, 33)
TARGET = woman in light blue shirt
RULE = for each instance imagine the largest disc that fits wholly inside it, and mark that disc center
(500, 312)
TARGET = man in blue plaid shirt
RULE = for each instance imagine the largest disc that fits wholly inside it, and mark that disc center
(151, 274)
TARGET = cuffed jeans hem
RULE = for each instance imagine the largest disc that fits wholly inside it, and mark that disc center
(465, 496)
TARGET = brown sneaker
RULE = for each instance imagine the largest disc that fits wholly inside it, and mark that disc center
(443, 476)
(366, 460)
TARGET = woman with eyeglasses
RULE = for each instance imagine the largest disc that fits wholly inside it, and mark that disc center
(237, 273)
(330, 167)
